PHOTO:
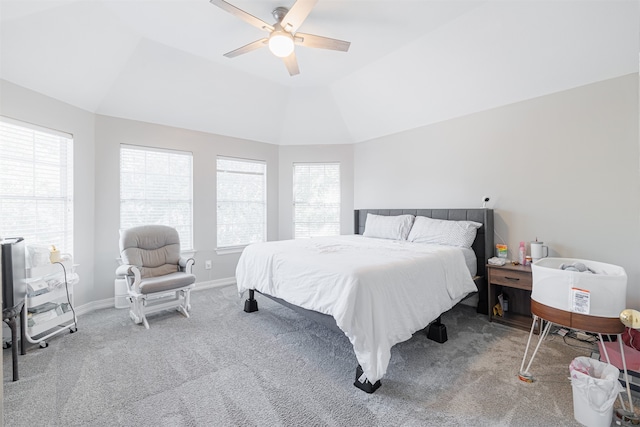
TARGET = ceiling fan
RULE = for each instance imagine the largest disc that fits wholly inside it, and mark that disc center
(283, 34)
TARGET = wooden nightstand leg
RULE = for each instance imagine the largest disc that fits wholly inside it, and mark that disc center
(538, 325)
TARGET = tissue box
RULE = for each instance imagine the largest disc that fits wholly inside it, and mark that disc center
(553, 287)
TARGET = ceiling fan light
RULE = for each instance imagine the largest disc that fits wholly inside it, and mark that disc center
(281, 44)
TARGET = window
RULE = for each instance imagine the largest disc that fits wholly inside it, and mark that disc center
(316, 199)
(242, 202)
(156, 187)
(36, 184)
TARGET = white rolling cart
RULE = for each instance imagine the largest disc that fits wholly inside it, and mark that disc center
(49, 308)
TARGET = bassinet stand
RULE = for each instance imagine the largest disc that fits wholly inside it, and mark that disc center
(582, 322)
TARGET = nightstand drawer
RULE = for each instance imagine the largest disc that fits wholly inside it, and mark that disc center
(510, 278)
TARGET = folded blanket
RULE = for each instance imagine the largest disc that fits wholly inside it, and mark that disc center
(576, 266)
(497, 261)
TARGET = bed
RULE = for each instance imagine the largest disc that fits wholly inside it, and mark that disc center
(382, 284)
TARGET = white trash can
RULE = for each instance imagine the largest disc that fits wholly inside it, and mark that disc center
(595, 388)
(120, 293)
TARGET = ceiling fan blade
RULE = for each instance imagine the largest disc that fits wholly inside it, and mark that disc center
(239, 13)
(297, 14)
(247, 48)
(310, 40)
(292, 64)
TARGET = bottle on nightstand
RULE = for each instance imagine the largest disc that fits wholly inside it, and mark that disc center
(522, 254)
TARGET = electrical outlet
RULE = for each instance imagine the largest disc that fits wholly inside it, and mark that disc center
(207, 264)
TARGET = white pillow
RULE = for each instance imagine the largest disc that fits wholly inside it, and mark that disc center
(388, 227)
(443, 232)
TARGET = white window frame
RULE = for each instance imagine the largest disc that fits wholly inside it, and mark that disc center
(183, 196)
(34, 183)
(224, 247)
(297, 202)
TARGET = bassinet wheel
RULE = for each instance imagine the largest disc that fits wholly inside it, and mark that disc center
(44, 344)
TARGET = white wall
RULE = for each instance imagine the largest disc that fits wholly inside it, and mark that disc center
(28, 106)
(97, 141)
(564, 168)
(315, 153)
(111, 132)
(97, 183)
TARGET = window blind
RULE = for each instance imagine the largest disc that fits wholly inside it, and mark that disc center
(36, 184)
(241, 202)
(156, 187)
(316, 199)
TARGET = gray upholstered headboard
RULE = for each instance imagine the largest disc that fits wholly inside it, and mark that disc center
(482, 246)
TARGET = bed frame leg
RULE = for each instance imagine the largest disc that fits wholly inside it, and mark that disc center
(251, 304)
(363, 383)
(437, 331)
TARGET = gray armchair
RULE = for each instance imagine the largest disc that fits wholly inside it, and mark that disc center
(157, 277)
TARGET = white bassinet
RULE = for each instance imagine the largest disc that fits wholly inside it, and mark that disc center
(553, 286)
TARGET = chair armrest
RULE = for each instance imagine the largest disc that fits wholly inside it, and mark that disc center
(132, 275)
(124, 270)
(186, 264)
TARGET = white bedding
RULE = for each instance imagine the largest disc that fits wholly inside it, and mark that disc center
(379, 291)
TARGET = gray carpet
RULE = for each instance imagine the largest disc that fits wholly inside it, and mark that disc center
(224, 367)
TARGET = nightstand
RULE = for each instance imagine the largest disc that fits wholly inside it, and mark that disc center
(513, 281)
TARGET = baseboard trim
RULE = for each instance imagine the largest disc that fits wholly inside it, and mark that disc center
(95, 305)
(110, 302)
(218, 283)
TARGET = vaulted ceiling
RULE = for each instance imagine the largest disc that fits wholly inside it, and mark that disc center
(410, 64)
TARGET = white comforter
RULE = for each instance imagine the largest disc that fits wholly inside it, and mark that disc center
(379, 291)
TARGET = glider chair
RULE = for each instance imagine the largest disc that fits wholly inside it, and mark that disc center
(157, 276)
